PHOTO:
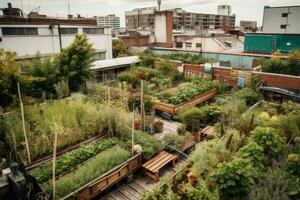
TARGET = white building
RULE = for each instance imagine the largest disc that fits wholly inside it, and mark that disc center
(109, 20)
(285, 19)
(26, 39)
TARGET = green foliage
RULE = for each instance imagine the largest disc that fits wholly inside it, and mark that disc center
(165, 68)
(208, 155)
(292, 169)
(69, 161)
(249, 95)
(77, 120)
(211, 113)
(253, 153)
(268, 139)
(175, 141)
(9, 76)
(291, 66)
(119, 48)
(90, 170)
(150, 145)
(192, 118)
(188, 58)
(200, 192)
(235, 178)
(162, 83)
(62, 89)
(187, 91)
(74, 62)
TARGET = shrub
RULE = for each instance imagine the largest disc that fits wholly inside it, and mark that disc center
(293, 165)
(292, 169)
(62, 89)
(268, 139)
(249, 95)
(252, 152)
(200, 192)
(89, 171)
(235, 178)
(192, 118)
(175, 141)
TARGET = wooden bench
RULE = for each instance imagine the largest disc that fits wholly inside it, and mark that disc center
(153, 166)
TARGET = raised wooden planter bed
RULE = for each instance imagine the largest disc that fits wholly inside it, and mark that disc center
(95, 187)
(173, 109)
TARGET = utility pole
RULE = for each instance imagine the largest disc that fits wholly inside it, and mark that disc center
(159, 4)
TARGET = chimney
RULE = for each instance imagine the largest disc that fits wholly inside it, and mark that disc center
(159, 4)
(9, 5)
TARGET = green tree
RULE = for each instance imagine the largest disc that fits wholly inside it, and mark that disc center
(74, 62)
(9, 76)
(119, 48)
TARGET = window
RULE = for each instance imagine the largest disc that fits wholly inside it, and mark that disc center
(284, 15)
(99, 55)
(19, 31)
(283, 26)
(68, 31)
(179, 44)
(93, 30)
(188, 45)
(198, 45)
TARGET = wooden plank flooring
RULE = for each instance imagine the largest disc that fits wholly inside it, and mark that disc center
(170, 127)
(142, 184)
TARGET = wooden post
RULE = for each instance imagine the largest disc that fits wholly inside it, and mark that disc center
(142, 103)
(132, 130)
(23, 123)
(54, 163)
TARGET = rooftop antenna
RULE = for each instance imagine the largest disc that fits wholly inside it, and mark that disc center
(69, 8)
(159, 4)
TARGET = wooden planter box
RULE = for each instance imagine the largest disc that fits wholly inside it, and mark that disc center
(173, 109)
(108, 179)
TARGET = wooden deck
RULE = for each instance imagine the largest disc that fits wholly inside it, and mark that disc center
(170, 127)
(135, 190)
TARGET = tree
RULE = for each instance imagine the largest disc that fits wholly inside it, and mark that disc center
(119, 48)
(9, 76)
(74, 62)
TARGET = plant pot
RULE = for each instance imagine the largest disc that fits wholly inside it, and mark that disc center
(192, 179)
(196, 136)
(129, 178)
(159, 127)
(137, 124)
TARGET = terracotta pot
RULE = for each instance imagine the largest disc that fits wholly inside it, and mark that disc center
(196, 136)
(137, 124)
(192, 179)
(159, 127)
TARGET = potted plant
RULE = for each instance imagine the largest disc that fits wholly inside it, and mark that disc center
(137, 124)
(191, 119)
(192, 179)
(158, 126)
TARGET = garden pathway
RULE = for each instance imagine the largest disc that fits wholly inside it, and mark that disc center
(170, 127)
(141, 184)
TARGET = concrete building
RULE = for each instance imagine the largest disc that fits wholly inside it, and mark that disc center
(182, 20)
(48, 36)
(206, 43)
(163, 28)
(283, 19)
(248, 26)
(140, 18)
(109, 20)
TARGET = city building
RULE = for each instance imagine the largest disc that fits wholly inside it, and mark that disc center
(208, 43)
(283, 19)
(47, 36)
(183, 20)
(140, 18)
(248, 26)
(267, 43)
(109, 20)
(163, 28)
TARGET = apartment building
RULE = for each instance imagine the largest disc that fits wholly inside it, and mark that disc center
(284, 19)
(109, 20)
(143, 18)
(182, 20)
(248, 26)
(48, 36)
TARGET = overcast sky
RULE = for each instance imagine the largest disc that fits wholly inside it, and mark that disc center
(244, 9)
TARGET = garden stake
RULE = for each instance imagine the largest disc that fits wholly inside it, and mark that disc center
(23, 123)
(54, 162)
(132, 131)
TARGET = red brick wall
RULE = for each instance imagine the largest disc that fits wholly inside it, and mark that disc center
(190, 67)
(81, 21)
(135, 40)
(279, 80)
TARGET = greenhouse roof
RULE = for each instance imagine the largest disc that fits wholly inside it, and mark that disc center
(115, 62)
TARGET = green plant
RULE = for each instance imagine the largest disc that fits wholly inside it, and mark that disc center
(89, 171)
(200, 192)
(175, 141)
(268, 139)
(192, 118)
(235, 178)
(69, 161)
(249, 95)
(62, 89)
(74, 62)
(119, 48)
(292, 169)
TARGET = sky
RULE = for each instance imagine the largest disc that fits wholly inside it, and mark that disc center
(244, 9)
